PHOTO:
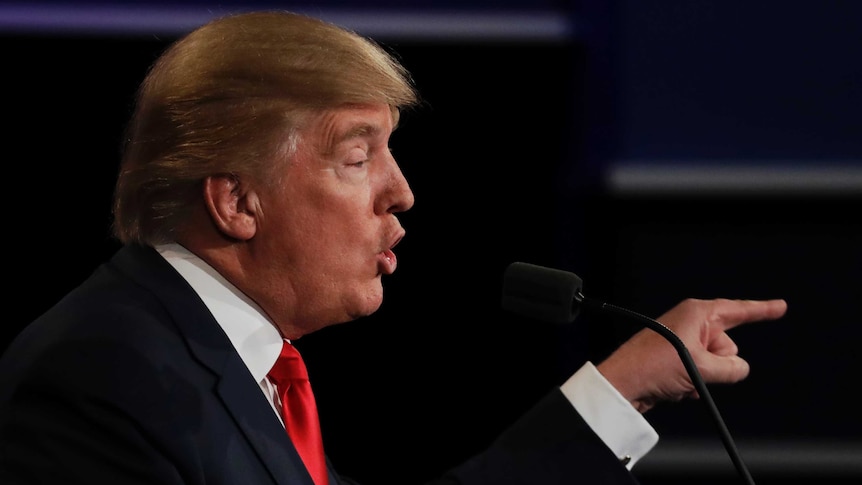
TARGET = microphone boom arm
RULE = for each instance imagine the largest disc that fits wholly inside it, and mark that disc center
(688, 362)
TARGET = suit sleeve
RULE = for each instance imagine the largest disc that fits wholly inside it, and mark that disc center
(551, 444)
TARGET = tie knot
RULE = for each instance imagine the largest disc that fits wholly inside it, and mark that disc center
(288, 367)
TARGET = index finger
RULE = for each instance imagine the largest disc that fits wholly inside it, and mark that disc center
(730, 313)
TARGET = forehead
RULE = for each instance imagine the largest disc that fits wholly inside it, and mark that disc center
(336, 126)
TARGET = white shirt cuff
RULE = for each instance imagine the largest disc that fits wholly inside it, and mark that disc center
(623, 429)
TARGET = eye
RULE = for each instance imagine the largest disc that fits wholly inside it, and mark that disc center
(357, 157)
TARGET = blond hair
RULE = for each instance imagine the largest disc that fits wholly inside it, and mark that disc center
(224, 98)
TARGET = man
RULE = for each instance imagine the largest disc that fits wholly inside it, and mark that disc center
(257, 202)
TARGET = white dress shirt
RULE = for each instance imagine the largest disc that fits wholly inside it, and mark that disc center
(257, 341)
(252, 333)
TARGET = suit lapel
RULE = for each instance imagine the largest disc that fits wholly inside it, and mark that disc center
(260, 425)
(236, 388)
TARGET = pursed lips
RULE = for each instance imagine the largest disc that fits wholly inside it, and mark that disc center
(386, 258)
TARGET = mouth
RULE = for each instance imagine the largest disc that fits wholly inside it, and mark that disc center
(387, 261)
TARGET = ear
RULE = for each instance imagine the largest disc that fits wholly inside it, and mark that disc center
(233, 208)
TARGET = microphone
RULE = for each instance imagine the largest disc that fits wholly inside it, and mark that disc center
(555, 296)
(546, 294)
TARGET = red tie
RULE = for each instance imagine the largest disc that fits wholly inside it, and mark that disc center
(299, 411)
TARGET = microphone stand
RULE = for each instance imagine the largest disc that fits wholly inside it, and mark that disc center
(693, 373)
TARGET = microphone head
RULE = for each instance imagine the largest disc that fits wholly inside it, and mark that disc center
(542, 293)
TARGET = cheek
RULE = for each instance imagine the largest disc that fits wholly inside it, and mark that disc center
(322, 217)
(289, 225)
(344, 226)
(333, 222)
(347, 207)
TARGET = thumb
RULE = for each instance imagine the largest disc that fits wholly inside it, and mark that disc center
(723, 369)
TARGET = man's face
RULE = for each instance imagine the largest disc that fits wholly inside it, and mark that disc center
(328, 226)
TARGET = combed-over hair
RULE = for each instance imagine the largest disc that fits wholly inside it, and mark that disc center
(229, 98)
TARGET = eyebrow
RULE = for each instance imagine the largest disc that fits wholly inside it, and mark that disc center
(360, 130)
(365, 129)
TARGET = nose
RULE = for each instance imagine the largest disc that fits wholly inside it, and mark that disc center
(398, 197)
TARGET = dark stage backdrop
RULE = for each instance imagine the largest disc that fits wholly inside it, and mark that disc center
(482, 156)
(508, 162)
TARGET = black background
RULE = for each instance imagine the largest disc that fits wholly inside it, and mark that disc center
(503, 163)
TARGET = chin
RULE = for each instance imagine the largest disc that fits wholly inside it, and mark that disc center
(371, 301)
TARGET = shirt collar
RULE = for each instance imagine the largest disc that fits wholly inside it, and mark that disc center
(252, 333)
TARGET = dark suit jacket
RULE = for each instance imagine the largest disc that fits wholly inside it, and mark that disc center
(129, 379)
